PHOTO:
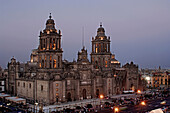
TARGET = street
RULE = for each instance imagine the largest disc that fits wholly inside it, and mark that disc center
(150, 105)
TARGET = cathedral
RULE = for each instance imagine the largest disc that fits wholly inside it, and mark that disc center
(48, 79)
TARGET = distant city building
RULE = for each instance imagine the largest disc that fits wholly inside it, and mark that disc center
(48, 79)
(156, 78)
(2, 81)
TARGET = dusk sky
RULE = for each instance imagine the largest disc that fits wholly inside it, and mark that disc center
(139, 29)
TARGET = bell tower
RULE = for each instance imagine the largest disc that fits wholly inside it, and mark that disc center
(101, 55)
(49, 49)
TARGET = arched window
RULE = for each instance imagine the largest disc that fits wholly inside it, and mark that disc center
(84, 94)
(50, 61)
(54, 45)
(50, 43)
(45, 62)
(99, 60)
(69, 97)
(97, 93)
(40, 61)
(99, 48)
(96, 48)
(54, 63)
(58, 61)
(106, 63)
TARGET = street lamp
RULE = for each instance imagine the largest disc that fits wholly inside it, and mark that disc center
(36, 106)
(116, 109)
(143, 104)
(101, 97)
(138, 91)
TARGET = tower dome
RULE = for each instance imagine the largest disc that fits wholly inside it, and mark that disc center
(100, 31)
(50, 23)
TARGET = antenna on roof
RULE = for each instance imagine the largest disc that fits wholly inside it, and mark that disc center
(100, 24)
(83, 36)
(50, 16)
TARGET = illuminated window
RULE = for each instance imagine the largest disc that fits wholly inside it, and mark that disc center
(99, 47)
(54, 45)
(50, 44)
(48, 32)
(56, 89)
(54, 63)
(40, 61)
(106, 63)
(58, 42)
(45, 62)
(56, 84)
(31, 58)
(96, 48)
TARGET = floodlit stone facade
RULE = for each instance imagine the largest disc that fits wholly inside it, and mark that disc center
(48, 79)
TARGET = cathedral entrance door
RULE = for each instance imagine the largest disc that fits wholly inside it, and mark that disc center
(84, 94)
(69, 97)
(12, 90)
(117, 91)
(97, 93)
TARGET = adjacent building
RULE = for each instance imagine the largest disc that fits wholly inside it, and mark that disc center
(156, 78)
(2, 81)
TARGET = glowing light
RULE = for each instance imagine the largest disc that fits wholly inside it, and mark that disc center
(163, 102)
(116, 109)
(143, 103)
(138, 91)
(48, 32)
(55, 65)
(101, 96)
(148, 78)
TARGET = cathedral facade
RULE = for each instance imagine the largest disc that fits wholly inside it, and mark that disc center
(48, 79)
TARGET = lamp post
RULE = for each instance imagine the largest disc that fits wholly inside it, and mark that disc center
(116, 109)
(142, 104)
(138, 91)
(36, 106)
(101, 97)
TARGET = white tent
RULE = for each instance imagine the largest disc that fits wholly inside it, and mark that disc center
(16, 100)
(4, 95)
(156, 111)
